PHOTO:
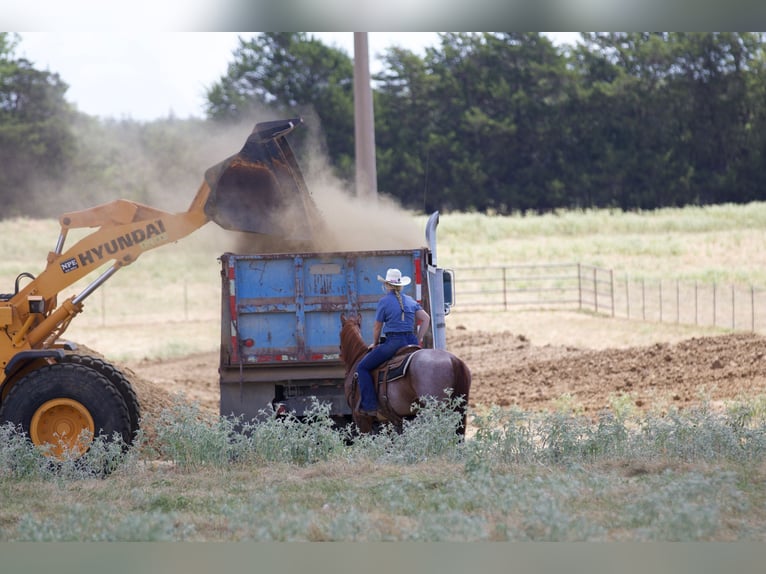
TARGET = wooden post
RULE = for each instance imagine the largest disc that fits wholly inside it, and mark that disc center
(364, 122)
(595, 291)
(714, 303)
(643, 298)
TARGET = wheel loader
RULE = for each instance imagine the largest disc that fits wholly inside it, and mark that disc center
(54, 393)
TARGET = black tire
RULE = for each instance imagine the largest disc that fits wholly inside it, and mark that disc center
(72, 384)
(121, 383)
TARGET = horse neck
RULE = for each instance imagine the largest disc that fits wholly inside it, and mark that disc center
(354, 347)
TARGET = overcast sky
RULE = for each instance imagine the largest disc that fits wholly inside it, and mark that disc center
(149, 75)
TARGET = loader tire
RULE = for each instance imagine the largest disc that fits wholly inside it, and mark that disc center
(121, 383)
(53, 404)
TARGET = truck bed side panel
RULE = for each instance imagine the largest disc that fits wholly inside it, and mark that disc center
(281, 320)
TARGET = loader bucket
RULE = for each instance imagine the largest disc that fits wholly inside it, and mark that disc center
(261, 189)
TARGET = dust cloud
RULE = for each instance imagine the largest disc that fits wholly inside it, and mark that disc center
(163, 164)
(354, 223)
(339, 220)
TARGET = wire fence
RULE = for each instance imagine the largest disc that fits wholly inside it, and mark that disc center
(501, 287)
(157, 301)
(600, 290)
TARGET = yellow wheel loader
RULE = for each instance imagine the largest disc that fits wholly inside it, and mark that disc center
(53, 393)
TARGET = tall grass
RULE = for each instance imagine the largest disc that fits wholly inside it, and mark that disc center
(710, 243)
(693, 475)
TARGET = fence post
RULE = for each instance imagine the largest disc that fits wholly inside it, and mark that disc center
(714, 302)
(611, 287)
(643, 298)
(579, 285)
(696, 312)
(595, 291)
(627, 295)
(733, 320)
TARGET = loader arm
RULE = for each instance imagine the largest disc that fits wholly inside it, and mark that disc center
(125, 231)
(251, 191)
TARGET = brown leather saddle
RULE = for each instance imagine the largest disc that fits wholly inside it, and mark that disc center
(393, 369)
(396, 366)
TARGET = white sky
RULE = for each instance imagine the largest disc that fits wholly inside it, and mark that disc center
(149, 75)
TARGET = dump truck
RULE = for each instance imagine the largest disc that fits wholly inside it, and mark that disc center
(62, 398)
(280, 322)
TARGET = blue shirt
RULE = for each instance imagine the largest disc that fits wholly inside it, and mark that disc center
(390, 313)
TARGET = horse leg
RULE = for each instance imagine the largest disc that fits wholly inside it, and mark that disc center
(363, 423)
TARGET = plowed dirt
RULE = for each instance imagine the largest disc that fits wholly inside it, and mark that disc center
(509, 371)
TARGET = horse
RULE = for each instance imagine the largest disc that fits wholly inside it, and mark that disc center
(429, 373)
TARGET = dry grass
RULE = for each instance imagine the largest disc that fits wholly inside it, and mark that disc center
(167, 303)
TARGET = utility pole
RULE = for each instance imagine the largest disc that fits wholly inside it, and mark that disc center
(364, 122)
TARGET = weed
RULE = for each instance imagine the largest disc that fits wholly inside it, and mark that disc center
(521, 476)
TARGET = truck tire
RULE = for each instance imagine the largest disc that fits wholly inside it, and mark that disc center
(121, 383)
(53, 404)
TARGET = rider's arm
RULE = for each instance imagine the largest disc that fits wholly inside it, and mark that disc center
(423, 320)
(376, 329)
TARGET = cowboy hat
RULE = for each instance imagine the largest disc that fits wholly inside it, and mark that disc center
(394, 277)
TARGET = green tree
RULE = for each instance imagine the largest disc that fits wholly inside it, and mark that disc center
(289, 74)
(668, 118)
(35, 136)
(715, 70)
(625, 122)
(496, 122)
(403, 126)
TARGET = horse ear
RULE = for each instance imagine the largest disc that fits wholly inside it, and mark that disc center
(359, 320)
(342, 318)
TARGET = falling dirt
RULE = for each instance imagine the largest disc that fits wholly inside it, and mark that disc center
(508, 371)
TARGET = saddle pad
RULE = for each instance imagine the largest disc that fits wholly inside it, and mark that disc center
(397, 366)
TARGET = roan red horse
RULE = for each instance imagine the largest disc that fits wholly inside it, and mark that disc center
(427, 373)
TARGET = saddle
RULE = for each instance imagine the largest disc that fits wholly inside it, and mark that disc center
(396, 366)
(393, 369)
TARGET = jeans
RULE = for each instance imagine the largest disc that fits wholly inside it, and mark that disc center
(377, 356)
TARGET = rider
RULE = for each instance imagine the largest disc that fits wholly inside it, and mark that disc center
(400, 314)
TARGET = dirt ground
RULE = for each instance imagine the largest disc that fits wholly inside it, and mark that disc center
(508, 370)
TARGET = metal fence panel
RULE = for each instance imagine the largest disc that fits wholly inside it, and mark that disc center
(593, 288)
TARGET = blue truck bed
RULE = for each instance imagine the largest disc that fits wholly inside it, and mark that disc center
(280, 321)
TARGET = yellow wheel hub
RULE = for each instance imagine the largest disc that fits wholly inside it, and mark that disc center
(59, 423)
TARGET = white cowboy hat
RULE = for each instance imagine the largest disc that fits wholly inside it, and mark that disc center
(395, 277)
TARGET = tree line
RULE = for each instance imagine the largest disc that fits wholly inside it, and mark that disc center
(492, 122)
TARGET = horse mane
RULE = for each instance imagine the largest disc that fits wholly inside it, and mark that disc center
(352, 345)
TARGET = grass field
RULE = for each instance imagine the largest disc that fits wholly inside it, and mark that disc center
(696, 476)
(167, 303)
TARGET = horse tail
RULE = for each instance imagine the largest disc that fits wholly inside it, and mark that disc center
(461, 389)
